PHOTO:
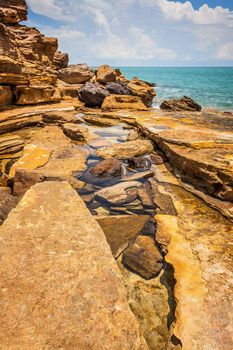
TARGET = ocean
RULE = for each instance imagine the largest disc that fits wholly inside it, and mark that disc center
(210, 87)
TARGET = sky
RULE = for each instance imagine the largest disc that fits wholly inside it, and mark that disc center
(151, 33)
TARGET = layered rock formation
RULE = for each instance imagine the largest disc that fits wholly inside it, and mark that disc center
(28, 59)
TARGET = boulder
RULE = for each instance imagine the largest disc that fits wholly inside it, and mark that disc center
(36, 94)
(118, 88)
(7, 203)
(142, 89)
(61, 287)
(126, 150)
(123, 192)
(107, 167)
(143, 257)
(123, 102)
(6, 95)
(121, 229)
(92, 94)
(183, 104)
(105, 74)
(76, 74)
(75, 132)
(60, 60)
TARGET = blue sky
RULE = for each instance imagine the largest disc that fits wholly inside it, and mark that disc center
(139, 32)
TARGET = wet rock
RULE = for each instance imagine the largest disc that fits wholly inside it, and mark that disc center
(124, 192)
(63, 270)
(142, 89)
(138, 176)
(121, 229)
(123, 102)
(118, 88)
(133, 135)
(158, 159)
(143, 257)
(92, 94)
(105, 74)
(139, 163)
(7, 203)
(98, 143)
(146, 197)
(185, 103)
(75, 132)
(107, 167)
(6, 95)
(11, 146)
(76, 74)
(136, 205)
(126, 150)
(25, 179)
(149, 301)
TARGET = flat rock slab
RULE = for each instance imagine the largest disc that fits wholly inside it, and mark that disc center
(120, 229)
(60, 286)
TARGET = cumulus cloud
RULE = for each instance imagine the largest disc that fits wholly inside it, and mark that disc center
(184, 11)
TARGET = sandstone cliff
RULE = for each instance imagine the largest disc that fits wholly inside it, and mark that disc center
(28, 59)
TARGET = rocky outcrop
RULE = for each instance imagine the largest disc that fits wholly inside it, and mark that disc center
(123, 102)
(7, 203)
(28, 59)
(6, 95)
(142, 89)
(11, 146)
(76, 74)
(105, 74)
(75, 132)
(60, 60)
(92, 94)
(183, 104)
(126, 150)
(62, 271)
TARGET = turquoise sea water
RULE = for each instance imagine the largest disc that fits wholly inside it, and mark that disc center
(211, 87)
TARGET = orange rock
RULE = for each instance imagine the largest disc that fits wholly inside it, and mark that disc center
(123, 102)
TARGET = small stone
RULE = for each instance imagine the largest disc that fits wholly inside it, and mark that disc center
(107, 167)
(124, 192)
(143, 257)
(139, 163)
(133, 135)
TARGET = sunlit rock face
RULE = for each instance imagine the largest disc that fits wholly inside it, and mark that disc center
(28, 59)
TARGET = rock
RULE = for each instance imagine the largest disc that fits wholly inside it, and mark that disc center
(6, 95)
(143, 257)
(139, 163)
(13, 11)
(120, 77)
(7, 203)
(146, 197)
(100, 120)
(68, 91)
(27, 57)
(75, 132)
(75, 74)
(126, 150)
(118, 88)
(123, 102)
(142, 89)
(60, 60)
(58, 117)
(98, 143)
(33, 158)
(120, 193)
(92, 94)
(11, 146)
(121, 229)
(27, 95)
(183, 104)
(107, 167)
(105, 74)
(133, 135)
(199, 247)
(149, 301)
(25, 179)
(138, 176)
(158, 159)
(63, 270)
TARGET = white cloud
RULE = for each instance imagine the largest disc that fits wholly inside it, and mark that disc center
(226, 52)
(52, 9)
(64, 33)
(184, 11)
